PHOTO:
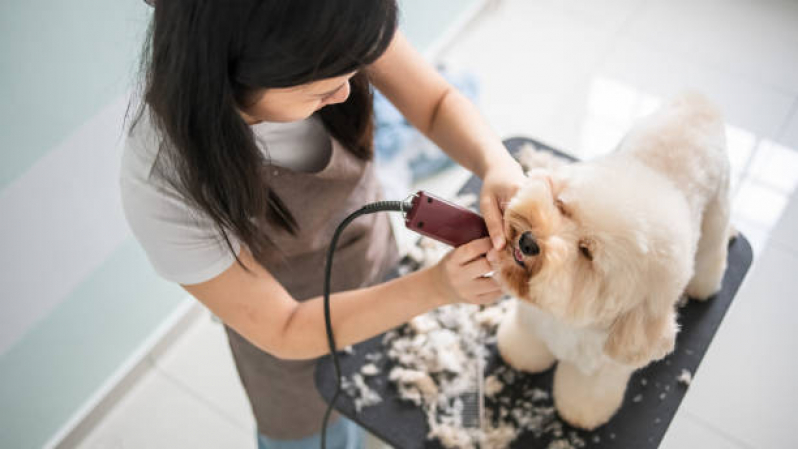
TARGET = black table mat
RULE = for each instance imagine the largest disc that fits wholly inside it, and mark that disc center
(651, 400)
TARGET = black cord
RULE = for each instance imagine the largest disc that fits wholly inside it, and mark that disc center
(380, 206)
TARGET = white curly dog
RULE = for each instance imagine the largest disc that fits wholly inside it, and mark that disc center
(600, 252)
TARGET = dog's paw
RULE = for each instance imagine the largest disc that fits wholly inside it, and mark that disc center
(585, 401)
(521, 348)
(701, 288)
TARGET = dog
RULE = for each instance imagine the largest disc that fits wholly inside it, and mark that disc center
(600, 252)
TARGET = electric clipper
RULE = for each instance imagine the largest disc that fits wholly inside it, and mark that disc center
(444, 221)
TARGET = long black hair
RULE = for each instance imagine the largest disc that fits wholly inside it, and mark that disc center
(204, 60)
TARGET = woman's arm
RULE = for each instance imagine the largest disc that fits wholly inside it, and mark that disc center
(451, 121)
(437, 109)
(263, 312)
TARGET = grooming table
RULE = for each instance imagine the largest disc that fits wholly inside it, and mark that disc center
(640, 423)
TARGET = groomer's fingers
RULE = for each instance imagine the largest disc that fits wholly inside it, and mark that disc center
(479, 290)
(493, 257)
(485, 286)
(488, 297)
(471, 250)
(477, 268)
(493, 219)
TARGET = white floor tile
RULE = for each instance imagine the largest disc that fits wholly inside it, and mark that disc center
(759, 203)
(201, 361)
(789, 135)
(610, 15)
(528, 56)
(157, 413)
(786, 231)
(746, 383)
(756, 234)
(686, 432)
(775, 166)
(741, 144)
(659, 72)
(755, 39)
(547, 74)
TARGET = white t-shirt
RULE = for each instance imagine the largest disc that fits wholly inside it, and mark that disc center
(183, 244)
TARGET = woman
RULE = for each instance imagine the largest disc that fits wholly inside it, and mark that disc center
(253, 142)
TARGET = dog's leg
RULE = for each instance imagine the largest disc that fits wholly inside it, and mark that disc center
(518, 344)
(710, 258)
(588, 401)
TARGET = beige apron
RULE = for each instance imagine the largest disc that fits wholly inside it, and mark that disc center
(282, 393)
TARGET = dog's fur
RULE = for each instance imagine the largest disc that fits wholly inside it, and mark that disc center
(621, 239)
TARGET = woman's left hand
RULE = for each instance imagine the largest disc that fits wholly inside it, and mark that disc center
(499, 185)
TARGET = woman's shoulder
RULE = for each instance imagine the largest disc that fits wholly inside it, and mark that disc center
(141, 172)
(182, 243)
(147, 193)
(142, 144)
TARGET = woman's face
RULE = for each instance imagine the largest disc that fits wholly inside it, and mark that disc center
(290, 104)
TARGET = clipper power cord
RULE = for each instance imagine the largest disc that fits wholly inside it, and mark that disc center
(425, 214)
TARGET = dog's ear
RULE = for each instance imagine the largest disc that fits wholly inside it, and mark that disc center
(642, 334)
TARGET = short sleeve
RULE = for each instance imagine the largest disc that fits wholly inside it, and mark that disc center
(182, 244)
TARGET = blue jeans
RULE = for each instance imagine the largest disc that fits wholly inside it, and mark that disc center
(342, 434)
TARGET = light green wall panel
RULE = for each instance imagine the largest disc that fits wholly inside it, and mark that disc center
(62, 61)
(61, 362)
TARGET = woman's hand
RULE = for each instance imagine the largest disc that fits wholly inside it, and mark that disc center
(499, 185)
(461, 275)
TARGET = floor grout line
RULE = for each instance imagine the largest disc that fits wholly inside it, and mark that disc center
(780, 134)
(781, 245)
(713, 66)
(717, 430)
(205, 401)
(156, 365)
(618, 34)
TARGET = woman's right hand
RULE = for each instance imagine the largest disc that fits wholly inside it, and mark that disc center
(461, 274)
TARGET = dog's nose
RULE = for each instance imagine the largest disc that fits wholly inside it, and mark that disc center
(528, 245)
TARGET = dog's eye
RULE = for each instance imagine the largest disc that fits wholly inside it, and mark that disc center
(585, 250)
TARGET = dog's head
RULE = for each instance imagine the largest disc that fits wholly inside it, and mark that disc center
(594, 246)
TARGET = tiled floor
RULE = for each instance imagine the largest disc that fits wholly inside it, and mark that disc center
(575, 73)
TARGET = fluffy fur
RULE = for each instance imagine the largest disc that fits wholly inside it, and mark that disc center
(621, 239)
